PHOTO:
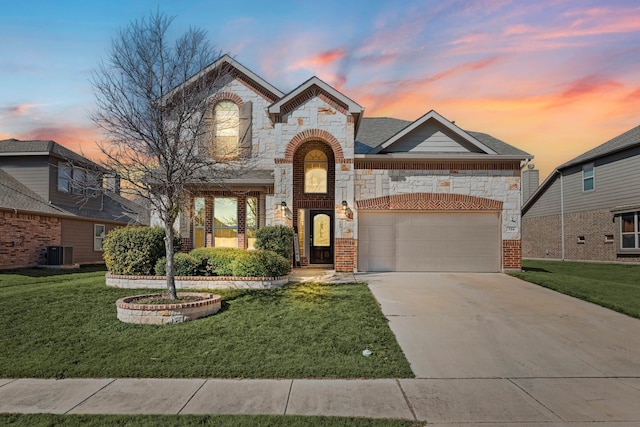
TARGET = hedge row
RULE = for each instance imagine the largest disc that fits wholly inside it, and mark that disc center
(141, 251)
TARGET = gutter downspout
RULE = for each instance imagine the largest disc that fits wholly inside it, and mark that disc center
(561, 212)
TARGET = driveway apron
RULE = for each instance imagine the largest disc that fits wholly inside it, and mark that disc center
(469, 336)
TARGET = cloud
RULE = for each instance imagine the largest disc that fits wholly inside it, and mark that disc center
(80, 139)
(325, 58)
(14, 110)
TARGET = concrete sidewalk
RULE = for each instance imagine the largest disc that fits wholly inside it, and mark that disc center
(536, 402)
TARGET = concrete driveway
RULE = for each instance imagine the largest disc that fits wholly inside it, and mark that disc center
(474, 338)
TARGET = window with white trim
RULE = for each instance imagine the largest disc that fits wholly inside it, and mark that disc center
(225, 222)
(588, 178)
(629, 232)
(98, 236)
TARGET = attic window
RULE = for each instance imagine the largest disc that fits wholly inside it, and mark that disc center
(316, 166)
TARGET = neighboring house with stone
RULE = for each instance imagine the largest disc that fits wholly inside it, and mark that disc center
(54, 208)
(588, 208)
(363, 194)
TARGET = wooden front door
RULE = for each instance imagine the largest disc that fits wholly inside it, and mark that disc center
(321, 237)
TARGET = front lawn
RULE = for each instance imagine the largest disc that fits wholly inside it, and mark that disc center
(63, 324)
(614, 286)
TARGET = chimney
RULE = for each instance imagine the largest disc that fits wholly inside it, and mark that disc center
(529, 182)
(112, 183)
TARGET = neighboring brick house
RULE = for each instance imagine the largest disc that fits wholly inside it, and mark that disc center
(376, 194)
(588, 208)
(52, 199)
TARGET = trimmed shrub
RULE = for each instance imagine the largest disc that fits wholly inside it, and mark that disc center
(260, 263)
(278, 239)
(133, 250)
(183, 265)
(217, 261)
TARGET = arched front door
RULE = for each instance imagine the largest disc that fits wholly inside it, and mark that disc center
(321, 237)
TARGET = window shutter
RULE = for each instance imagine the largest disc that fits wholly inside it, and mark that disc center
(246, 140)
(205, 141)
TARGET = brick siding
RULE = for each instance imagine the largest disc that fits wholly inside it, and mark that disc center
(24, 237)
(346, 253)
(511, 255)
(542, 237)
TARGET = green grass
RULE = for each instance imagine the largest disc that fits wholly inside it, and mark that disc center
(63, 324)
(35, 420)
(614, 286)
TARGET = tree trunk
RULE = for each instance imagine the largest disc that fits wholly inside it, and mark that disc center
(168, 243)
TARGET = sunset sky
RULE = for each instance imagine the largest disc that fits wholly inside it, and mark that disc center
(552, 77)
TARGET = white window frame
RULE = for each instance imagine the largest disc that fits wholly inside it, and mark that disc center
(98, 238)
(588, 173)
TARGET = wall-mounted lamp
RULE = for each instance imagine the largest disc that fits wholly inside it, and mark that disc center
(286, 212)
(347, 210)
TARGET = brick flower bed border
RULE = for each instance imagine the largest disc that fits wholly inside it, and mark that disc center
(196, 282)
(158, 314)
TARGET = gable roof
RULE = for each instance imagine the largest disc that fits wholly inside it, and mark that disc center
(377, 132)
(350, 106)
(15, 195)
(433, 115)
(628, 139)
(225, 59)
(15, 147)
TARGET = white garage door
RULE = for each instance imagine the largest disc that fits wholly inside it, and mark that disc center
(429, 241)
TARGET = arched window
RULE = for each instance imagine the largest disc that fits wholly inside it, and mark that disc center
(226, 129)
(315, 172)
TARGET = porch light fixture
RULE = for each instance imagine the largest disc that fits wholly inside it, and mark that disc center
(347, 210)
(283, 206)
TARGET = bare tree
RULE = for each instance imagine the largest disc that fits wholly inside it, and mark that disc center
(153, 107)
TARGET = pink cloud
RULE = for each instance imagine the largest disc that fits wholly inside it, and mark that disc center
(82, 140)
(325, 58)
(17, 109)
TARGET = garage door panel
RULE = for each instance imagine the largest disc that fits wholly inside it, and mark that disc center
(428, 241)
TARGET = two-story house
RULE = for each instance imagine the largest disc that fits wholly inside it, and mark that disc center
(588, 208)
(54, 204)
(363, 194)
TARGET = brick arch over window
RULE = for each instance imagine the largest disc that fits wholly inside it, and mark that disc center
(313, 135)
(430, 201)
(227, 96)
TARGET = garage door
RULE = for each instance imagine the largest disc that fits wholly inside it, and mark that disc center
(429, 241)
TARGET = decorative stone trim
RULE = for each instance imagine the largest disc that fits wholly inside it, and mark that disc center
(227, 96)
(430, 201)
(158, 314)
(511, 255)
(195, 282)
(453, 167)
(314, 135)
(283, 161)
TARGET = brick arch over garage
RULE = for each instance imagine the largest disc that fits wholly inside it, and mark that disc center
(429, 201)
(313, 135)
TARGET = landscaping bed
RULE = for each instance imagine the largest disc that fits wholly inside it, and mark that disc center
(615, 286)
(58, 324)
